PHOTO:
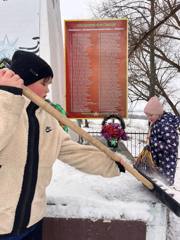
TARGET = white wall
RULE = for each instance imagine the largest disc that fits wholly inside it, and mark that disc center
(51, 47)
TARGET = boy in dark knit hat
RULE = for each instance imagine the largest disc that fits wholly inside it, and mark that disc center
(31, 140)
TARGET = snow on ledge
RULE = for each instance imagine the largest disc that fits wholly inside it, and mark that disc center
(74, 194)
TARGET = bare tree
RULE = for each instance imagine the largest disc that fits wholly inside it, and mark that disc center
(154, 34)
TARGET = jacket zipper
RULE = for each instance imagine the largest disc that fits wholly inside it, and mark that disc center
(23, 210)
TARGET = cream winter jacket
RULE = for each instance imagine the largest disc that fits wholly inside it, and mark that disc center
(25, 173)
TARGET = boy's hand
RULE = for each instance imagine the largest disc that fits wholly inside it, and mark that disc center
(9, 78)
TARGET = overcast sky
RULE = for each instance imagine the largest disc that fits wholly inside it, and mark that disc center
(76, 9)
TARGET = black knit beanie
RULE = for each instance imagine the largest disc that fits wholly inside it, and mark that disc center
(30, 67)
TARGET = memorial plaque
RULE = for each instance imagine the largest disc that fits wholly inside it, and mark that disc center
(96, 68)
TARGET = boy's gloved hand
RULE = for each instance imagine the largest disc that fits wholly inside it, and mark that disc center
(147, 147)
(119, 164)
(121, 167)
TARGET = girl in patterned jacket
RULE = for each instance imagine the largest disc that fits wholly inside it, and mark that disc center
(163, 138)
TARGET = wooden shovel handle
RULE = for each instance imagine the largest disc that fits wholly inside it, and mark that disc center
(65, 121)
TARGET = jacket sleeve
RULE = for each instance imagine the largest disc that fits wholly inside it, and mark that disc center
(87, 158)
(169, 141)
(11, 106)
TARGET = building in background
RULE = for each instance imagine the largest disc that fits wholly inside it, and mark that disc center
(35, 26)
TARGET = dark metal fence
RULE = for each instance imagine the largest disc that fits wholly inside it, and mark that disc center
(135, 143)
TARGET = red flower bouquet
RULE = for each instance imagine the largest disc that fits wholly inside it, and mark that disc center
(113, 132)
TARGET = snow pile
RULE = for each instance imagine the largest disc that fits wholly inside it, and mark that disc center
(73, 194)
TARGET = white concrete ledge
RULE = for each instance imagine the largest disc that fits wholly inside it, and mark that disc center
(73, 194)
